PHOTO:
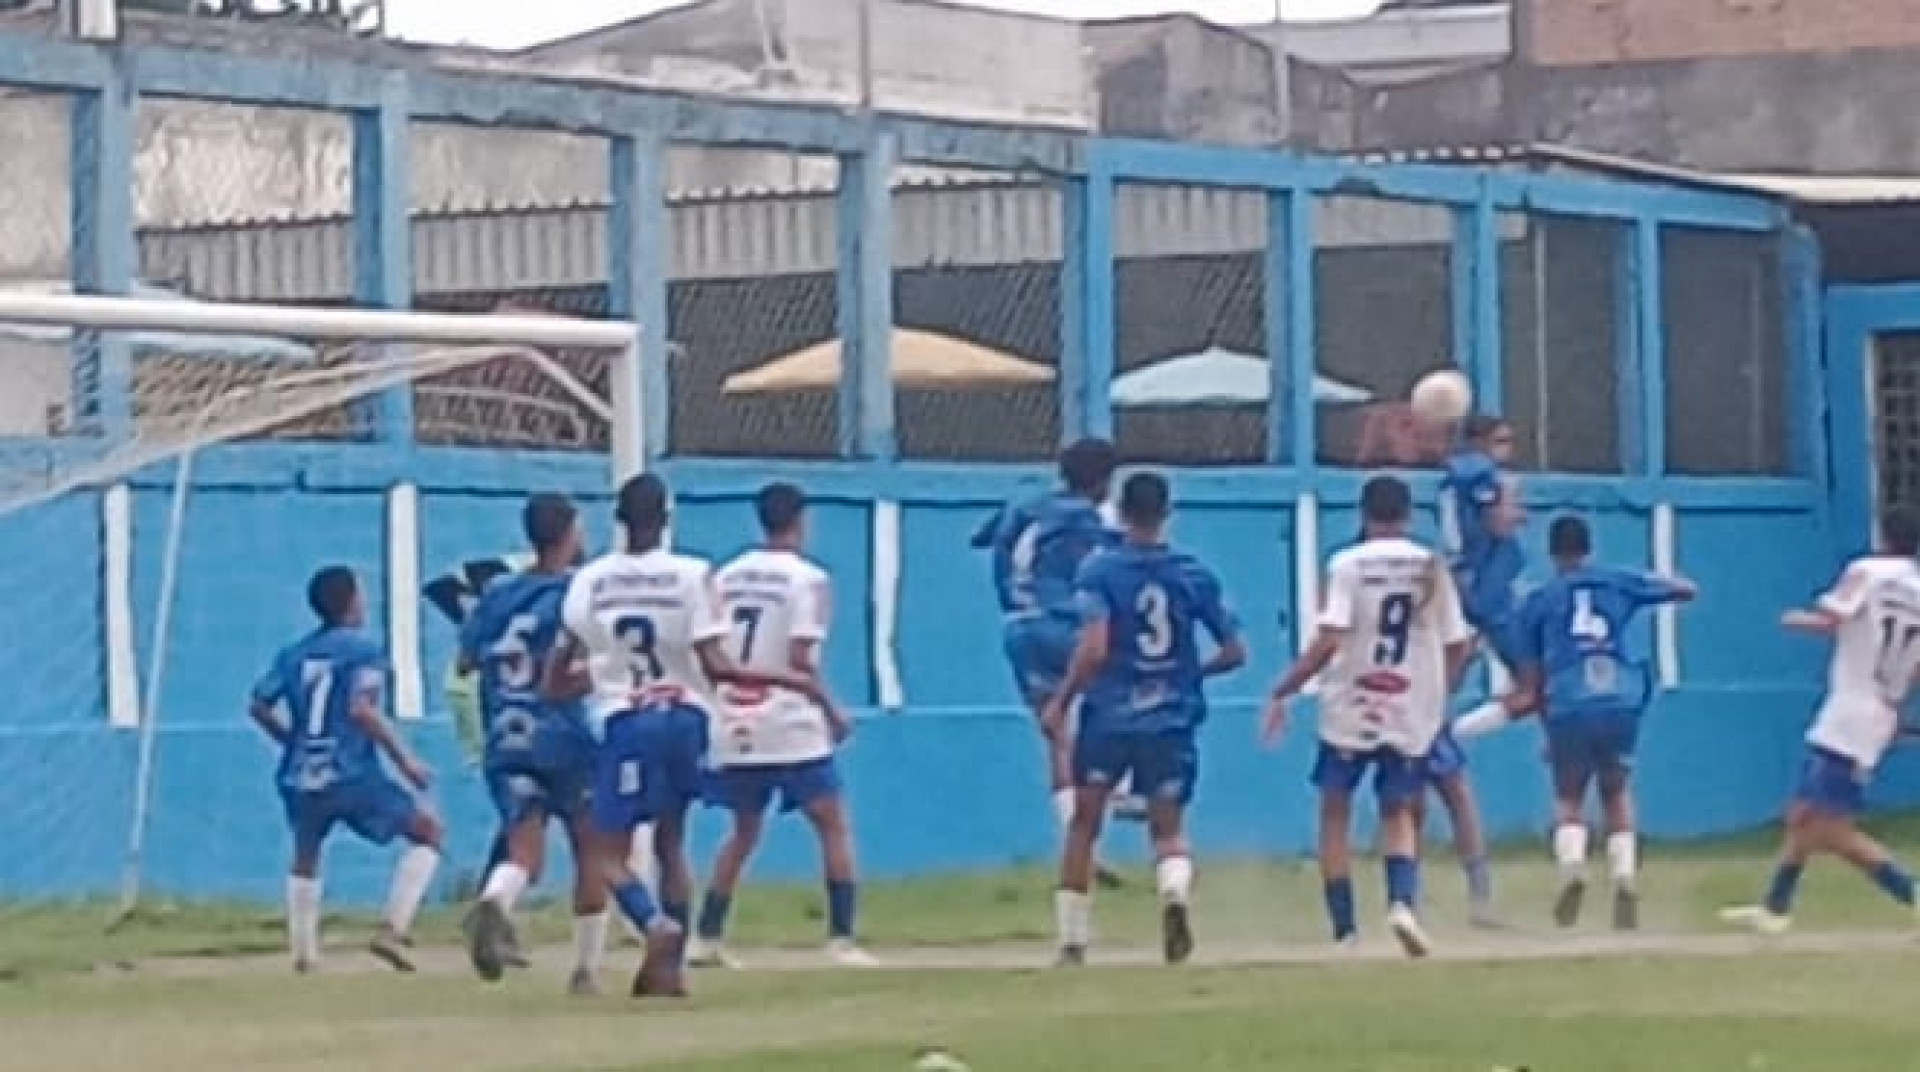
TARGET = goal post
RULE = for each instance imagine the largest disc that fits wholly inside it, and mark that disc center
(500, 386)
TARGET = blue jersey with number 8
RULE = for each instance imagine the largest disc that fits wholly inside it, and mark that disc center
(1576, 630)
(1153, 600)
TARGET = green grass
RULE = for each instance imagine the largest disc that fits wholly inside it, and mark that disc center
(1826, 1005)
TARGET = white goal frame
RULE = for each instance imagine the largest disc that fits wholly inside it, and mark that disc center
(478, 337)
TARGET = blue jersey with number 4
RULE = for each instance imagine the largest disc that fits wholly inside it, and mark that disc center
(319, 679)
(1575, 629)
(1037, 549)
(508, 637)
(1153, 600)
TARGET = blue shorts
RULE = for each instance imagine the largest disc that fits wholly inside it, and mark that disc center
(649, 766)
(1832, 784)
(375, 808)
(525, 790)
(1398, 780)
(1446, 758)
(1162, 766)
(1594, 745)
(755, 788)
(1038, 650)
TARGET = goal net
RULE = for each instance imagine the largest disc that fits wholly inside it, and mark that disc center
(158, 538)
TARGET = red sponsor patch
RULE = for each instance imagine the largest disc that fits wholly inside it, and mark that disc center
(1383, 682)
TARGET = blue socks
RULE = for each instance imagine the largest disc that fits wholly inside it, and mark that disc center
(637, 904)
(1894, 879)
(1786, 880)
(1339, 894)
(1403, 881)
(714, 910)
(842, 902)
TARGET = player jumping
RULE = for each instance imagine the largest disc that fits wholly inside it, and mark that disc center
(538, 757)
(1393, 644)
(1037, 548)
(643, 638)
(775, 743)
(1138, 662)
(1575, 660)
(1873, 615)
(333, 684)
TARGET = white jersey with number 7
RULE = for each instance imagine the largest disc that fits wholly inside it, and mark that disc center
(1876, 651)
(641, 618)
(771, 598)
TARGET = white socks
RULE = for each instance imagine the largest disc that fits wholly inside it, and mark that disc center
(411, 877)
(589, 942)
(1623, 858)
(1063, 808)
(1173, 876)
(1073, 917)
(303, 918)
(1489, 717)
(1570, 850)
(505, 885)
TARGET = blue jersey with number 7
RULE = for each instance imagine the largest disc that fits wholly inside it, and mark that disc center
(1575, 629)
(1153, 600)
(319, 679)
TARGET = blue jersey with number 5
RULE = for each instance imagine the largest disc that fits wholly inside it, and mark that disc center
(1575, 630)
(1153, 600)
(508, 637)
(1038, 546)
(319, 679)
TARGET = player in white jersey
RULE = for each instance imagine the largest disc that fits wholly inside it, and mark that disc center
(774, 743)
(644, 642)
(1392, 644)
(1873, 615)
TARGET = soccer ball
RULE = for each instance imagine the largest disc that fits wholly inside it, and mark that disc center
(938, 1061)
(1443, 395)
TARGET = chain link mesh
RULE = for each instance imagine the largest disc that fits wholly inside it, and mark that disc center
(1560, 293)
(1726, 362)
(1896, 417)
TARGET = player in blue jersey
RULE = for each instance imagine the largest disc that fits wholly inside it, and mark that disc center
(332, 683)
(1577, 667)
(538, 757)
(1037, 547)
(1137, 661)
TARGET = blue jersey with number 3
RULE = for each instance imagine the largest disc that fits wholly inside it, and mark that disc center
(319, 679)
(1575, 630)
(508, 637)
(1037, 549)
(1153, 599)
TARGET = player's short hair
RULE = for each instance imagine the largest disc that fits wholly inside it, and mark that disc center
(1569, 537)
(1145, 499)
(547, 519)
(1088, 464)
(331, 592)
(1900, 529)
(779, 507)
(1483, 427)
(1386, 500)
(642, 503)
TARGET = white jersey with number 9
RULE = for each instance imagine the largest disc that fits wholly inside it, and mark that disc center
(1397, 610)
(641, 618)
(1876, 652)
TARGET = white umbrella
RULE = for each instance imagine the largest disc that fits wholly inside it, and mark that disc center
(923, 359)
(1217, 377)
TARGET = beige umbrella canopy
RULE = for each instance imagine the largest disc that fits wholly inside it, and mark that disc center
(923, 359)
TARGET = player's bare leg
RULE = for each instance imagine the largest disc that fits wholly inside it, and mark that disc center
(1470, 843)
(1073, 900)
(664, 939)
(1173, 875)
(1335, 851)
(411, 878)
(589, 912)
(492, 945)
(1060, 778)
(1400, 840)
(640, 861)
(828, 817)
(1623, 846)
(660, 972)
(709, 943)
(1570, 842)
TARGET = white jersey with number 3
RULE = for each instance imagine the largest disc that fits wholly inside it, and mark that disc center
(1876, 651)
(641, 618)
(1387, 685)
(771, 599)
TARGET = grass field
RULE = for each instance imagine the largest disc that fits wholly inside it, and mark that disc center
(206, 987)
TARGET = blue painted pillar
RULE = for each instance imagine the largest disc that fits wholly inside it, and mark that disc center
(1477, 334)
(1800, 283)
(1292, 434)
(383, 233)
(1086, 306)
(638, 241)
(864, 244)
(103, 250)
(1641, 356)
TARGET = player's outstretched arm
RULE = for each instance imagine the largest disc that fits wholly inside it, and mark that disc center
(1325, 645)
(365, 711)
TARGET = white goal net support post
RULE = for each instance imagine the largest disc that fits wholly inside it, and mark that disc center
(101, 540)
